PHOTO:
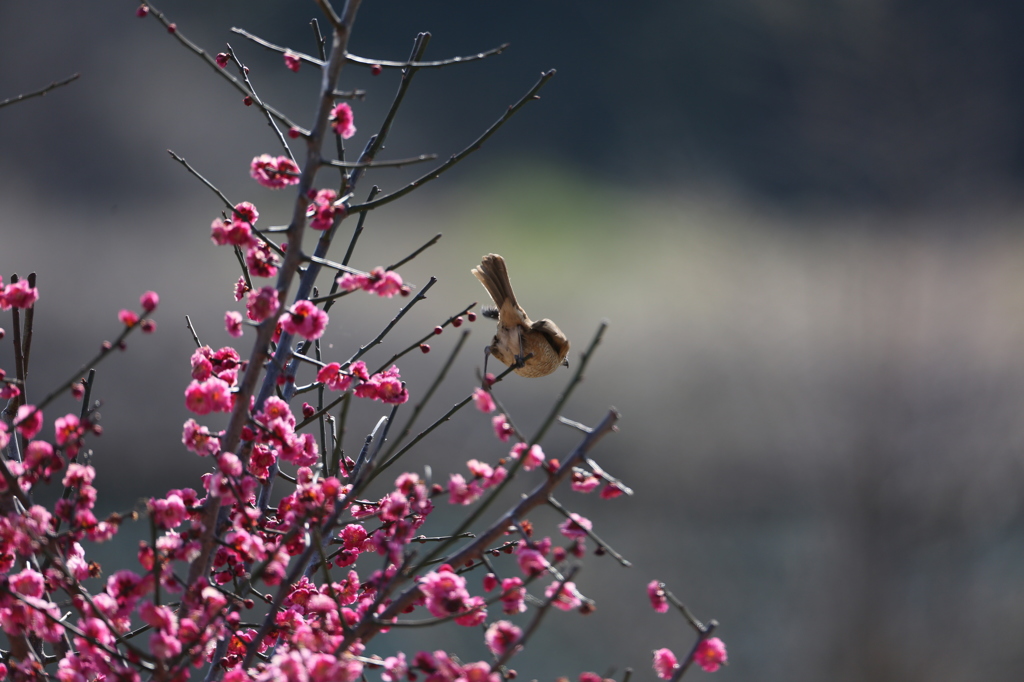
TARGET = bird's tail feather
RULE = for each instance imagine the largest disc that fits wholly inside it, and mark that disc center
(493, 274)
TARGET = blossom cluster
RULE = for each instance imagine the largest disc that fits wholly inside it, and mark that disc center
(384, 283)
(386, 386)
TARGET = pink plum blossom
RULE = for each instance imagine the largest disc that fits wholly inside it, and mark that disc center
(262, 304)
(610, 491)
(534, 456)
(568, 597)
(575, 527)
(341, 121)
(149, 301)
(385, 386)
(28, 421)
(444, 592)
(322, 211)
(502, 429)
(305, 319)
(260, 259)
(18, 295)
(199, 440)
(128, 318)
(483, 400)
(710, 654)
(241, 288)
(233, 323)
(665, 663)
(460, 492)
(212, 395)
(584, 481)
(274, 172)
(531, 560)
(513, 596)
(385, 283)
(656, 592)
(500, 635)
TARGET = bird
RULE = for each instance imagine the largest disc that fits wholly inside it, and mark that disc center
(535, 349)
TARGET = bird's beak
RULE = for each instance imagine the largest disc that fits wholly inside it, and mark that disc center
(565, 363)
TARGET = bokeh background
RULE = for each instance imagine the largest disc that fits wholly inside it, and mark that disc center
(801, 218)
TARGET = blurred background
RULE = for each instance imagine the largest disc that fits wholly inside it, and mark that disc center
(801, 219)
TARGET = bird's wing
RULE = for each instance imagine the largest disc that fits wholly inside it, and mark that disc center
(553, 334)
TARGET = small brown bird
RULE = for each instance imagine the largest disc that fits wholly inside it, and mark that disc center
(536, 348)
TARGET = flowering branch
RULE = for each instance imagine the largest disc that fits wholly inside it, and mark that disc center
(590, 534)
(476, 548)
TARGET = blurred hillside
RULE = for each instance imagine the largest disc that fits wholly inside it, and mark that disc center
(884, 103)
(801, 220)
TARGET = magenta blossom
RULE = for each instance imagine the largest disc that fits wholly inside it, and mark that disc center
(500, 635)
(262, 304)
(341, 121)
(28, 421)
(483, 401)
(568, 597)
(233, 323)
(502, 429)
(305, 319)
(322, 211)
(274, 172)
(534, 456)
(385, 283)
(18, 295)
(656, 592)
(665, 663)
(149, 301)
(575, 527)
(710, 654)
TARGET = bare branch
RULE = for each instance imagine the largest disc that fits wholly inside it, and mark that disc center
(436, 173)
(39, 93)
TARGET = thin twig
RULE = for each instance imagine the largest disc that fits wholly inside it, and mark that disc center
(577, 377)
(591, 534)
(428, 395)
(192, 330)
(428, 65)
(436, 173)
(441, 420)
(211, 62)
(39, 93)
(532, 627)
(391, 325)
(242, 69)
(373, 62)
(397, 163)
(227, 202)
(395, 266)
(419, 342)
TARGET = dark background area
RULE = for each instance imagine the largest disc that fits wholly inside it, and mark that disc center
(802, 220)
